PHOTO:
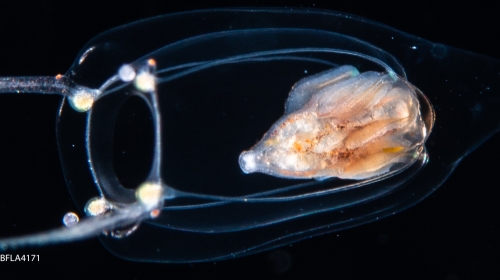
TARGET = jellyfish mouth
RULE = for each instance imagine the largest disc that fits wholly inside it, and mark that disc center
(248, 162)
(252, 161)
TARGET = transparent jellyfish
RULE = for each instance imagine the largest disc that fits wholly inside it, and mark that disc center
(153, 106)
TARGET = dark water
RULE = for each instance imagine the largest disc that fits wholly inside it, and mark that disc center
(453, 234)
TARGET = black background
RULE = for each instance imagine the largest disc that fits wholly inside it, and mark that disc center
(453, 234)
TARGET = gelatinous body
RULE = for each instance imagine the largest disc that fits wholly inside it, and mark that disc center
(200, 87)
(340, 123)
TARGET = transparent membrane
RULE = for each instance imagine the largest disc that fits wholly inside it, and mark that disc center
(175, 192)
